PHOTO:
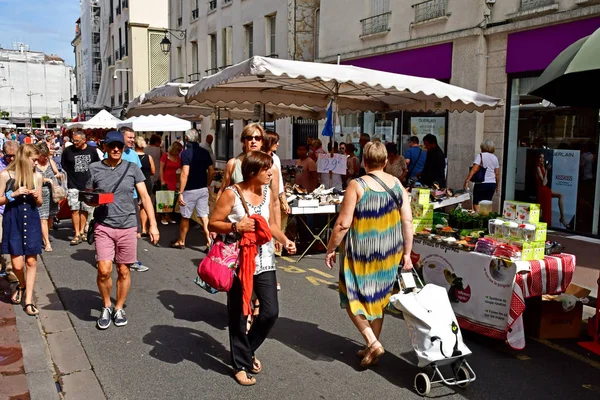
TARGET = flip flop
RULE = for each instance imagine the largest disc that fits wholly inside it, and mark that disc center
(76, 240)
(17, 295)
(177, 246)
(31, 309)
(256, 366)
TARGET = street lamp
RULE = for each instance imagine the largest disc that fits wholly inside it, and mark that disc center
(61, 101)
(165, 44)
(30, 109)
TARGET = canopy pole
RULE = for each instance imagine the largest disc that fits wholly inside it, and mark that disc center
(264, 116)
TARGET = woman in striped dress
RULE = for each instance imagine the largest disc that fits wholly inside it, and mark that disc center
(378, 237)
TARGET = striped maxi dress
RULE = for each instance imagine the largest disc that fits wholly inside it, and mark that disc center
(371, 253)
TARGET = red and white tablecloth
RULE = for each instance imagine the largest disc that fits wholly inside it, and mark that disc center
(551, 275)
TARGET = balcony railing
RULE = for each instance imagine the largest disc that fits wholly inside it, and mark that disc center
(430, 9)
(195, 14)
(180, 79)
(179, 21)
(527, 5)
(212, 5)
(125, 4)
(211, 71)
(123, 51)
(119, 9)
(117, 55)
(376, 24)
(195, 77)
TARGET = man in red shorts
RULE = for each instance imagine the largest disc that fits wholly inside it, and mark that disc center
(116, 224)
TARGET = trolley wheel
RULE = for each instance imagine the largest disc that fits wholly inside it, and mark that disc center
(422, 384)
(55, 223)
(462, 374)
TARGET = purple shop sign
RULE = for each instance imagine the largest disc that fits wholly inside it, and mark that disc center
(535, 49)
(427, 62)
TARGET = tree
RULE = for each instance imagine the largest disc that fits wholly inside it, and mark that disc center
(4, 114)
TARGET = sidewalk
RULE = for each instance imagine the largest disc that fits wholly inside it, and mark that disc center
(42, 358)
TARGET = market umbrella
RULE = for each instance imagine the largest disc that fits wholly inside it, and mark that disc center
(572, 77)
(102, 120)
(153, 123)
(307, 84)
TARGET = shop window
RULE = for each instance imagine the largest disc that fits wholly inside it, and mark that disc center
(224, 139)
(551, 158)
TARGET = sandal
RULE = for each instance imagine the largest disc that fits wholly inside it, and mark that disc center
(48, 249)
(76, 240)
(248, 380)
(372, 355)
(17, 295)
(31, 309)
(256, 366)
(176, 245)
(83, 237)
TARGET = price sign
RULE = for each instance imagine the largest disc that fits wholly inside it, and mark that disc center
(336, 164)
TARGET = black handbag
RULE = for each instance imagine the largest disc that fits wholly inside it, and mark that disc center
(92, 227)
(480, 174)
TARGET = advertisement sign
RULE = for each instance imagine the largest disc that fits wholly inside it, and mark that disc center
(479, 286)
(565, 176)
(336, 164)
(421, 126)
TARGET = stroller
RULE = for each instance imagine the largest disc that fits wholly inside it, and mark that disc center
(434, 333)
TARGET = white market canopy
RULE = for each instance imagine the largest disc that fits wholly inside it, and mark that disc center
(307, 84)
(102, 120)
(153, 123)
(6, 124)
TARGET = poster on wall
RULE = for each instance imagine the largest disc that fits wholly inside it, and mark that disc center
(479, 288)
(421, 126)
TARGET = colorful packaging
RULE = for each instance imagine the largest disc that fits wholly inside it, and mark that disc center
(538, 250)
(422, 211)
(533, 251)
(509, 211)
(541, 229)
(420, 224)
(528, 213)
(420, 196)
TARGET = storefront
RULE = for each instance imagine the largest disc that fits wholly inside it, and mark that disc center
(551, 152)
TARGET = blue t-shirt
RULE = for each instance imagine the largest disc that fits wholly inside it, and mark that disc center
(198, 160)
(131, 156)
(412, 154)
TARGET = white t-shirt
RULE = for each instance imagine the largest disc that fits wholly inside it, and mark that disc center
(277, 163)
(490, 162)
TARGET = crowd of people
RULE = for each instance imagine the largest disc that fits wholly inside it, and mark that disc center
(250, 207)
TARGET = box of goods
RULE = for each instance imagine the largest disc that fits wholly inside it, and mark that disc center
(420, 196)
(420, 225)
(422, 211)
(547, 317)
(539, 250)
(96, 199)
(530, 250)
(541, 229)
(509, 210)
(528, 213)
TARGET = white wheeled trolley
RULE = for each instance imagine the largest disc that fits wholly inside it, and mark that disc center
(435, 334)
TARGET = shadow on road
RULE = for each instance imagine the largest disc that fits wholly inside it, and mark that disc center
(80, 303)
(175, 344)
(194, 308)
(87, 255)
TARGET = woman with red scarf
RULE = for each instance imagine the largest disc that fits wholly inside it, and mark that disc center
(256, 270)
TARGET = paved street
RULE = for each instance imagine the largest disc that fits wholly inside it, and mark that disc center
(176, 342)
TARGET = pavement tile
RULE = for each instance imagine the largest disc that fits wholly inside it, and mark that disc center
(82, 385)
(14, 387)
(54, 320)
(11, 361)
(36, 356)
(67, 353)
(42, 386)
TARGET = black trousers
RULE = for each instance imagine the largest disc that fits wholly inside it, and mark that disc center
(244, 345)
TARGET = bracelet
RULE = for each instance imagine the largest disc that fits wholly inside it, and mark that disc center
(9, 196)
(234, 227)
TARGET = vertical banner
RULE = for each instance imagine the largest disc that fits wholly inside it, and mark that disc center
(565, 178)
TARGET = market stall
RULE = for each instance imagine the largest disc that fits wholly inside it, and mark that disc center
(102, 120)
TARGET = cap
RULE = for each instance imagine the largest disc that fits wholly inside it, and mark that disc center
(114, 136)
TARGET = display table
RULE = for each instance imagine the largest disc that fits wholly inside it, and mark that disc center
(330, 210)
(488, 294)
(451, 201)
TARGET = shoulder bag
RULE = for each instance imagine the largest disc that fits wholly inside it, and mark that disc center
(480, 174)
(90, 235)
(413, 165)
(387, 189)
(216, 271)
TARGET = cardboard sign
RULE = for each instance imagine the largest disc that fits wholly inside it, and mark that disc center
(336, 164)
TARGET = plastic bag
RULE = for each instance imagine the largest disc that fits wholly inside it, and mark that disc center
(165, 200)
(59, 189)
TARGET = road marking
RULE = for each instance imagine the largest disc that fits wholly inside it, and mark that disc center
(522, 357)
(287, 259)
(293, 270)
(315, 281)
(568, 352)
(316, 271)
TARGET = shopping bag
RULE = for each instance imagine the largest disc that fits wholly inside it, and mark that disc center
(164, 201)
(59, 189)
(217, 269)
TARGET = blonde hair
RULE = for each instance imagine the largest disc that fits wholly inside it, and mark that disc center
(375, 154)
(317, 143)
(487, 146)
(140, 142)
(21, 166)
(175, 149)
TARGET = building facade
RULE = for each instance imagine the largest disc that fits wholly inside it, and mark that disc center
(220, 33)
(35, 88)
(493, 47)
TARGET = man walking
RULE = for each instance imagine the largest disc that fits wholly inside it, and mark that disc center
(116, 225)
(207, 145)
(154, 150)
(197, 172)
(10, 150)
(415, 157)
(435, 163)
(76, 160)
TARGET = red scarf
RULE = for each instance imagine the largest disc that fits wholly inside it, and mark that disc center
(249, 244)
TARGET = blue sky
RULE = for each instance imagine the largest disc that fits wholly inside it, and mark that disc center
(45, 25)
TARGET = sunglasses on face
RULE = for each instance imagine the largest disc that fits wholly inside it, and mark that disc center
(115, 145)
(255, 138)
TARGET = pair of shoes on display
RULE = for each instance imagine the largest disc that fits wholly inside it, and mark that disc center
(107, 317)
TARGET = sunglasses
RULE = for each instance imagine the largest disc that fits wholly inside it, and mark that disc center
(255, 138)
(115, 145)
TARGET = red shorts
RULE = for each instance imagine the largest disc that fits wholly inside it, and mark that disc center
(115, 244)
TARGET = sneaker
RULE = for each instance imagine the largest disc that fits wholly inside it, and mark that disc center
(104, 320)
(278, 286)
(138, 266)
(119, 318)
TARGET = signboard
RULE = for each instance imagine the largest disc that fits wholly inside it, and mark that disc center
(565, 177)
(421, 126)
(336, 164)
(479, 286)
